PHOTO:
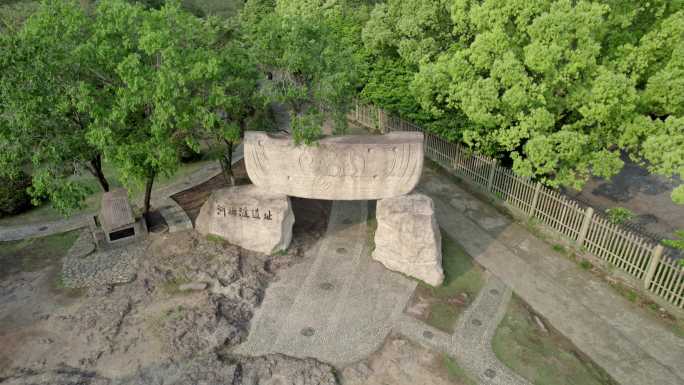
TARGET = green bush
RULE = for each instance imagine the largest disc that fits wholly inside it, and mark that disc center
(14, 198)
(188, 155)
(619, 215)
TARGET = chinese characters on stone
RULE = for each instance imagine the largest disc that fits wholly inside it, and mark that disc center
(244, 212)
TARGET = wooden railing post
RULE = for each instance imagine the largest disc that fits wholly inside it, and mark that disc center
(381, 120)
(490, 180)
(653, 265)
(357, 111)
(535, 198)
(588, 214)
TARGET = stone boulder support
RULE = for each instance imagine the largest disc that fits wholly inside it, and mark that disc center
(408, 239)
(248, 217)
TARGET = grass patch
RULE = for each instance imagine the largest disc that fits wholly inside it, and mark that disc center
(586, 265)
(454, 371)
(34, 254)
(172, 286)
(462, 281)
(559, 248)
(216, 239)
(542, 358)
(371, 226)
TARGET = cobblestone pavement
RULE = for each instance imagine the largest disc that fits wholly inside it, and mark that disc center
(83, 266)
(337, 305)
(630, 344)
(470, 344)
(160, 198)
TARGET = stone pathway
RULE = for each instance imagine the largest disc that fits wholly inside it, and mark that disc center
(632, 346)
(160, 198)
(174, 215)
(470, 344)
(337, 305)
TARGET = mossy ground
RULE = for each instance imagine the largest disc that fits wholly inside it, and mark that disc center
(463, 279)
(34, 254)
(542, 357)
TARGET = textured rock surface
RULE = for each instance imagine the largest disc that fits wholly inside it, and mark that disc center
(207, 370)
(407, 239)
(249, 217)
(115, 329)
(349, 167)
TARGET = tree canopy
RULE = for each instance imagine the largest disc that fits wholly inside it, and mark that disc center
(313, 48)
(43, 124)
(122, 81)
(559, 86)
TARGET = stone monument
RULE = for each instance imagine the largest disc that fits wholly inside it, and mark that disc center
(354, 167)
(249, 217)
(407, 239)
(351, 167)
(116, 221)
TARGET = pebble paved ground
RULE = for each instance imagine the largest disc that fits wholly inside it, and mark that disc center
(470, 344)
(337, 305)
(633, 347)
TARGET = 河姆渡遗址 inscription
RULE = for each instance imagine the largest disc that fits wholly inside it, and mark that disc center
(244, 212)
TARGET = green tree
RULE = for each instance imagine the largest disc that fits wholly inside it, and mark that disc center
(562, 86)
(43, 126)
(312, 47)
(163, 84)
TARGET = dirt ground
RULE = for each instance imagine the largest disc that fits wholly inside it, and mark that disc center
(402, 362)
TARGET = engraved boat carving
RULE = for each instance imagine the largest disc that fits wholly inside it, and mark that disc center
(351, 167)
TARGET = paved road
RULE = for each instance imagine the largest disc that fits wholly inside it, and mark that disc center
(337, 305)
(628, 343)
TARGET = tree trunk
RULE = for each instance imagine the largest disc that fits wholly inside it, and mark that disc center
(148, 194)
(227, 163)
(96, 170)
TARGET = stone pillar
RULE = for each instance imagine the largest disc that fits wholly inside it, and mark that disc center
(408, 239)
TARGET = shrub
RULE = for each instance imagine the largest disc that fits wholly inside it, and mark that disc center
(188, 155)
(14, 197)
(619, 215)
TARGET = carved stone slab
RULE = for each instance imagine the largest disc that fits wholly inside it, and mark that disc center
(352, 167)
(407, 239)
(249, 217)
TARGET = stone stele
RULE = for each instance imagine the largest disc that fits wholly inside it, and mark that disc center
(351, 167)
(407, 239)
(249, 217)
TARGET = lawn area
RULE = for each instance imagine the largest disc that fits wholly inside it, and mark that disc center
(455, 373)
(45, 212)
(542, 357)
(463, 279)
(34, 253)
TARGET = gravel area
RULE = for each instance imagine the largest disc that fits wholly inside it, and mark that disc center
(83, 266)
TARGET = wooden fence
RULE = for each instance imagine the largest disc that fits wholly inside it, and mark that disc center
(638, 256)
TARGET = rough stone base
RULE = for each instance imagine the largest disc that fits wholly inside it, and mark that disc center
(249, 217)
(407, 239)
